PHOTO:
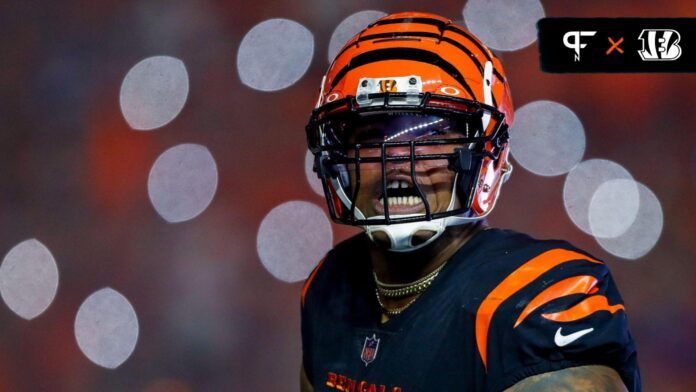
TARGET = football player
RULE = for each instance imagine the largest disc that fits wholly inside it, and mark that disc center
(410, 141)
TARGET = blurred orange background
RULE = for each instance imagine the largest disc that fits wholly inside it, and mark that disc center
(74, 175)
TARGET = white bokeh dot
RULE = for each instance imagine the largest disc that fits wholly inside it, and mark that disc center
(349, 27)
(106, 328)
(292, 238)
(613, 208)
(503, 24)
(153, 92)
(582, 182)
(312, 178)
(28, 278)
(547, 138)
(274, 54)
(643, 234)
(182, 182)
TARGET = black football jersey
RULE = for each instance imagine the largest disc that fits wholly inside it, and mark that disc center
(505, 307)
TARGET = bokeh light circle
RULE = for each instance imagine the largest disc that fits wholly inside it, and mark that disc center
(547, 138)
(106, 328)
(643, 234)
(582, 182)
(292, 238)
(28, 279)
(613, 208)
(182, 182)
(312, 178)
(349, 27)
(503, 24)
(153, 92)
(274, 54)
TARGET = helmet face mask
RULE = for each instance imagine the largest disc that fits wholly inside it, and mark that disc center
(405, 147)
(361, 153)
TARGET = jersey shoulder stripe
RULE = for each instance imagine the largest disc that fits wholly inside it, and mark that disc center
(525, 274)
(583, 309)
(583, 284)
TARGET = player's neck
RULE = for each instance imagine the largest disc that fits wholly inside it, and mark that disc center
(395, 267)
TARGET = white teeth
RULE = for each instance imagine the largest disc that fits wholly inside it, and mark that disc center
(402, 200)
(398, 184)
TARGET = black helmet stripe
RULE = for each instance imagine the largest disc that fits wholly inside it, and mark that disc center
(464, 33)
(419, 34)
(420, 55)
(445, 26)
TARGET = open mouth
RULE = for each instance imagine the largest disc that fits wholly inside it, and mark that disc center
(403, 198)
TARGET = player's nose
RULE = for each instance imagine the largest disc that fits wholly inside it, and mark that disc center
(399, 151)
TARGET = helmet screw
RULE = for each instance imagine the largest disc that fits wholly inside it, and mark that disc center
(364, 83)
(412, 81)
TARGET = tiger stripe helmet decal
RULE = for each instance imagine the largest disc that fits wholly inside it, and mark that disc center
(446, 55)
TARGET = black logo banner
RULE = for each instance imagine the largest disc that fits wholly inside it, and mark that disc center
(617, 44)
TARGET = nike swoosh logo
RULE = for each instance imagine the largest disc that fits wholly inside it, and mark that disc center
(564, 340)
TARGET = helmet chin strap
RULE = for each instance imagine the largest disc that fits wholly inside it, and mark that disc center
(401, 235)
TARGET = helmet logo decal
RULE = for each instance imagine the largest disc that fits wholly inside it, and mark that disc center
(332, 97)
(449, 90)
(392, 84)
(387, 86)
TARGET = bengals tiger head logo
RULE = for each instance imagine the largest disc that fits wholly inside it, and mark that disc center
(387, 86)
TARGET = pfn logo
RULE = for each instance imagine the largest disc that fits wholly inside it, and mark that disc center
(575, 44)
(659, 45)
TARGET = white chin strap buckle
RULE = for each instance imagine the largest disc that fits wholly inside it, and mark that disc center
(401, 235)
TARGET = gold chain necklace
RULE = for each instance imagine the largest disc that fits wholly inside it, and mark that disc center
(395, 311)
(400, 290)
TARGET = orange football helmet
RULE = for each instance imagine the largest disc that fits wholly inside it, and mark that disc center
(413, 83)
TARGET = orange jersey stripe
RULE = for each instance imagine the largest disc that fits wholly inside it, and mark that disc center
(305, 288)
(583, 309)
(575, 285)
(514, 282)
